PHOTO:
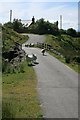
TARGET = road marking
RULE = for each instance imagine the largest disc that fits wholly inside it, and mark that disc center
(69, 67)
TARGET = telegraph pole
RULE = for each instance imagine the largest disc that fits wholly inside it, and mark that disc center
(10, 15)
(60, 21)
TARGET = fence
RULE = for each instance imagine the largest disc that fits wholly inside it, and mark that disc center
(49, 48)
(44, 45)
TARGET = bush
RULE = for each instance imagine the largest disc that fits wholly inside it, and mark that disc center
(77, 59)
(67, 59)
(22, 68)
(4, 66)
(72, 32)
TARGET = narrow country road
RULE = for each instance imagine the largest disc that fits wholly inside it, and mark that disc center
(57, 85)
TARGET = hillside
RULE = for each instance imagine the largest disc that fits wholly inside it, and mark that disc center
(11, 49)
(66, 47)
(9, 37)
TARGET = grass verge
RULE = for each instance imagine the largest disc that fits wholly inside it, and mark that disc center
(68, 47)
(75, 67)
(20, 98)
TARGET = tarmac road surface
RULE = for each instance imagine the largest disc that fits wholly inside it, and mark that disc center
(57, 86)
(34, 38)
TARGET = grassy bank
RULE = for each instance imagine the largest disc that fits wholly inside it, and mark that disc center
(73, 66)
(20, 98)
(9, 37)
(68, 47)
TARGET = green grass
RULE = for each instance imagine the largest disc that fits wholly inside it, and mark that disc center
(20, 97)
(73, 66)
(66, 46)
(9, 37)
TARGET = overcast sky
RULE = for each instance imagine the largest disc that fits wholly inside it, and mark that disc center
(49, 10)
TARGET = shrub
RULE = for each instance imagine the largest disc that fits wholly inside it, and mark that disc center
(21, 68)
(77, 59)
(67, 59)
